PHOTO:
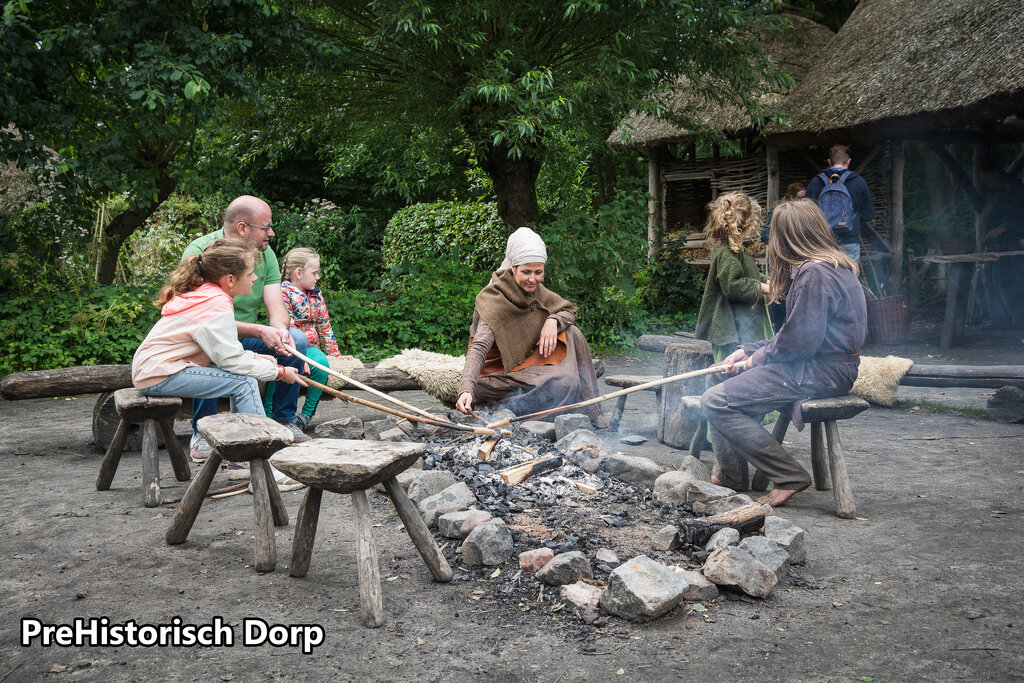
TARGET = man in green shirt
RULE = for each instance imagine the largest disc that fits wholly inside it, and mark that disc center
(249, 218)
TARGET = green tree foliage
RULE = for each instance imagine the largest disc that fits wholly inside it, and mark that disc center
(119, 88)
(507, 74)
(470, 234)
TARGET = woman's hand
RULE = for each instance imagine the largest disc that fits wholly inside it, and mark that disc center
(465, 403)
(729, 365)
(764, 287)
(292, 376)
(548, 337)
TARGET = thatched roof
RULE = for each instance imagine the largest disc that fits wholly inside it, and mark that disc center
(796, 53)
(899, 67)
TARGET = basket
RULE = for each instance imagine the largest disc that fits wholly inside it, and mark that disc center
(888, 320)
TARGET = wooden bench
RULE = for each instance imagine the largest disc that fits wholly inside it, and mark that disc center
(239, 437)
(149, 411)
(352, 466)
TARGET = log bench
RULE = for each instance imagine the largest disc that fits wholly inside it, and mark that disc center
(239, 437)
(150, 412)
(352, 466)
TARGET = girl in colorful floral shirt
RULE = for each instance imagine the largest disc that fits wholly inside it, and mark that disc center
(300, 272)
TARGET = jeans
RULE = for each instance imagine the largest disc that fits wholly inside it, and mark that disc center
(312, 394)
(285, 401)
(852, 250)
(212, 383)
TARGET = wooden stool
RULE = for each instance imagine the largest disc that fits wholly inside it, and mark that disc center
(149, 411)
(817, 412)
(351, 466)
(626, 382)
(239, 437)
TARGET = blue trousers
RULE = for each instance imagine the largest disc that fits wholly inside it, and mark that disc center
(286, 398)
(212, 383)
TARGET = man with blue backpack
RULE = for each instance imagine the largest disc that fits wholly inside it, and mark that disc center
(844, 198)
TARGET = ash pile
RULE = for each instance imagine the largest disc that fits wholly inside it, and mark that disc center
(548, 520)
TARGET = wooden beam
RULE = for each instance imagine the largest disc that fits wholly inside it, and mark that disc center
(896, 218)
(655, 203)
(977, 201)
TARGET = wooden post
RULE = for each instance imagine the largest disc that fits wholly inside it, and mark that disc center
(113, 457)
(188, 509)
(896, 216)
(819, 460)
(150, 465)
(277, 507)
(305, 532)
(182, 472)
(772, 160)
(677, 424)
(845, 506)
(371, 602)
(654, 203)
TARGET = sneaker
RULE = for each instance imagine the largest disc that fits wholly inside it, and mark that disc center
(302, 420)
(199, 450)
(299, 435)
(237, 471)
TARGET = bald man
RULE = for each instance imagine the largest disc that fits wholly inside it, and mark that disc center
(249, 218)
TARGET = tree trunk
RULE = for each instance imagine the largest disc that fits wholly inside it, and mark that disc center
(515, 184)
(124, 224)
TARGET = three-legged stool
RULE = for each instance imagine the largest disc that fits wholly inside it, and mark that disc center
(149, 411)
(239, 437)
(350, 466)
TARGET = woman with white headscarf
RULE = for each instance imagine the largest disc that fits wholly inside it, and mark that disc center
(525, 351)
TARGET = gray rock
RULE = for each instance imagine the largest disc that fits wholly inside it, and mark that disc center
(459, 418)
(632, 469)
(632, 440)
(683, 487)
(565, 568)
(733, 566)
(405, 479)
(489, 544)
(788, 536)
(408, 427)
(768, 552)
(722, 538)
(642, 589)
(542, 430)
(607, 556)
(430, 484)
(394, 434)
(699, 587)
(345, 428)
(583, 448)
(458, 496)
(373, 429)
(450, 523)
(695, 467)
(1006, 405)
(568, 423)
(666, 538)
(718, 506)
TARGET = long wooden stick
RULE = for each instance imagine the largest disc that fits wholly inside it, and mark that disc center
(615, 394)
(357, 384)
(486, 431)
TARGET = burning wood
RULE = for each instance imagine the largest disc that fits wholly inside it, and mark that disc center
(514, 475)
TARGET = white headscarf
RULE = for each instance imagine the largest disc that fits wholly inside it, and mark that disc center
(524, 246)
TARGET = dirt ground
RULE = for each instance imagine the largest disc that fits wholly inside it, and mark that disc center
(926, 583)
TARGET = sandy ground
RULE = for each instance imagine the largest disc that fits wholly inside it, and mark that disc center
(926, 583)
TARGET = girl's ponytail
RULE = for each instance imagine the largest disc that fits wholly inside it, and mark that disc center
(222, 257)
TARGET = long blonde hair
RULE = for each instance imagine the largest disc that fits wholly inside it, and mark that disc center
(222, 257)
(799, 233)
(296, 258)
(732, 218)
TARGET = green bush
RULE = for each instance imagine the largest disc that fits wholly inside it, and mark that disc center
(52, 328)
(469, 233)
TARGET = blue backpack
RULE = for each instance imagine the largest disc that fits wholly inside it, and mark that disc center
(837, 204)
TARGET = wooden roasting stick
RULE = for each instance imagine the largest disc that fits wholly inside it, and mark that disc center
(615, 394)
(359, 385)
(432, 420)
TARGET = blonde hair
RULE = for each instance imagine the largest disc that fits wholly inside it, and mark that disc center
(222, 257)
(732, 218)
(296, 258)
(799, 233)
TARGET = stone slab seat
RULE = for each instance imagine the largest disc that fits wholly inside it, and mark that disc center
(828, 472)
(151, 412)
(627, 382)
(239, 437)
(352, 466)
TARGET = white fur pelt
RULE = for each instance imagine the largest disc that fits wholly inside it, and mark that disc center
(879, 377)
(343, 366)
(438, 374)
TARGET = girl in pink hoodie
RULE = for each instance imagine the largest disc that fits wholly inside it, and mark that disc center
(193, 351)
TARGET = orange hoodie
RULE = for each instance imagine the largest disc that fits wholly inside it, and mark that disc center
(197, 329)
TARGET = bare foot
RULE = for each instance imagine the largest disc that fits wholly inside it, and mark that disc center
(716, 481)
(777, 497)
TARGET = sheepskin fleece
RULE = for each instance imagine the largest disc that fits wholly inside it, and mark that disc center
(879, 377)
(438, 374)
(343, 366)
